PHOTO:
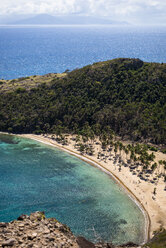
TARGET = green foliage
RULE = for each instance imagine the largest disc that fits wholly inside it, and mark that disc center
(152, 148)
(122, 96)
(163, 151)
(22, 78)
(158, 241)
(20, 90)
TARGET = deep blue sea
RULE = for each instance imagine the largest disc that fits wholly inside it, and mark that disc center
(34, 176)
(28, 51)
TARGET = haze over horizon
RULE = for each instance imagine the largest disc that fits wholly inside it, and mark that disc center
(139, 12)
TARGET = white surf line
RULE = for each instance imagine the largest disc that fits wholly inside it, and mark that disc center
(116, 179)
(90, 161)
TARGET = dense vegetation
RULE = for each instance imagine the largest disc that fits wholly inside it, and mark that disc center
(158, 241)
(127, 96)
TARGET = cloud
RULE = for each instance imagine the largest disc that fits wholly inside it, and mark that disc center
(128, 10)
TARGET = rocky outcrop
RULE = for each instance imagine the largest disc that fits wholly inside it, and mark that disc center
(37, 231)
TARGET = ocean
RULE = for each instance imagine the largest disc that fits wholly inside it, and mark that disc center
(26, 51)
(38, 177)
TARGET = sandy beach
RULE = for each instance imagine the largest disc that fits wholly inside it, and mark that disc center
(142, 192)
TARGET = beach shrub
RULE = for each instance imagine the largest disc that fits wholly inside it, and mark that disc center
(163, 151)
(158, 241)
(152, 148)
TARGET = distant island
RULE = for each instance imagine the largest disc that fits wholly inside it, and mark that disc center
(45, 19)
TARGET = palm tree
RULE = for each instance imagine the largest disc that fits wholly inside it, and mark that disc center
(132, 155)
(116, 148)
(135, 159)
(77, 138)
(126, 151)
(160, 163)
(120, 147)
(81, 148)
(153, 167)
(84, 138)
(92, 136)
(152, 157)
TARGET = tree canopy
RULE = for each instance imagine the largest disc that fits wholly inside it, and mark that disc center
(127, 96)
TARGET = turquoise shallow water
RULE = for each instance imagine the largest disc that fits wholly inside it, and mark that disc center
(35, 177)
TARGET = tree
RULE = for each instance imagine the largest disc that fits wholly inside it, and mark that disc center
(154, 166)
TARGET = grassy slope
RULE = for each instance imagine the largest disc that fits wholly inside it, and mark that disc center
(27, 82)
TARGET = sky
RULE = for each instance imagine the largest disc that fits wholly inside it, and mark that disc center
(132, 11)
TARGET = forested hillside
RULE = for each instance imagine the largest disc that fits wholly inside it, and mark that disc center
(127, 96)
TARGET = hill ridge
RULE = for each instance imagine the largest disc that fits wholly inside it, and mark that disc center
(126, 95)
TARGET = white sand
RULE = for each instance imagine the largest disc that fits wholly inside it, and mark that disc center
(154, 207)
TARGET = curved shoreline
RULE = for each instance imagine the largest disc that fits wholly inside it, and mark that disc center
(153, 206)
(101, 167)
